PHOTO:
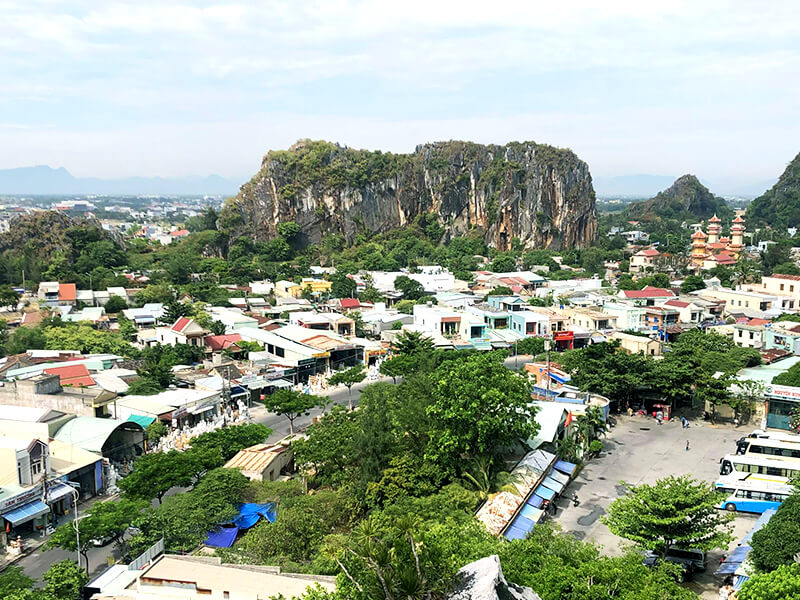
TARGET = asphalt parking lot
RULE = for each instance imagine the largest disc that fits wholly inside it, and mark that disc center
(638, 450)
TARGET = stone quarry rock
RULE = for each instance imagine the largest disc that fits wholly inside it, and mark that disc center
(537, 193)
(483, 580)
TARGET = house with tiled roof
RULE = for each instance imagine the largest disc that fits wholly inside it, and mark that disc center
(218, 343)
(72, 375)
(781, 285)
(646, 296)
(184, 331)
(53, 293)
(644, 260)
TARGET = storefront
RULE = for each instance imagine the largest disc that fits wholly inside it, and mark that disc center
(781, 400)
(24, 512)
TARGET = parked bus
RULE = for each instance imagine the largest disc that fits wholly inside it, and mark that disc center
(764, 465)
(752, 496)
(771, 448)
(759, 434)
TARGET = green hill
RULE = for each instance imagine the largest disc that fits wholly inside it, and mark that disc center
(779, 207)
(686, 199)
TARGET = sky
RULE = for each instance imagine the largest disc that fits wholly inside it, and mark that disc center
(158, 88)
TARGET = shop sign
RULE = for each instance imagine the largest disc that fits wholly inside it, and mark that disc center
(783, 392)
(563, 336)
(23, 498)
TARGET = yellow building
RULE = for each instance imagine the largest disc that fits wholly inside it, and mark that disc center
(318, 286)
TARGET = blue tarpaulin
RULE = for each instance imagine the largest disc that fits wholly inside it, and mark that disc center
(250, 514)
(223, 537)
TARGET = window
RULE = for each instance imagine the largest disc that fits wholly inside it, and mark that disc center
(781, 287)
(36, 468)
(279, 352)
(751, 335)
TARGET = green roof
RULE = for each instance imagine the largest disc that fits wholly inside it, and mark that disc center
(141, 420)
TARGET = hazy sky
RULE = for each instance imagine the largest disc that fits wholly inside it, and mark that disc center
(157, 88)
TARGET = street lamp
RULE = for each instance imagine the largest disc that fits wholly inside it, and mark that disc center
(75, 525)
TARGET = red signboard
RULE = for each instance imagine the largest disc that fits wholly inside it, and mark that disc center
(563, 336)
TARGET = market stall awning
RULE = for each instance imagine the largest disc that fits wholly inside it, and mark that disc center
(141, 420)
(565, 467)
(279, 383)
(58, 491)
(26, 512)
(545, 492)
(554, 485)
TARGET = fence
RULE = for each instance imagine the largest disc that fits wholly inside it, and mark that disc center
(147, 556)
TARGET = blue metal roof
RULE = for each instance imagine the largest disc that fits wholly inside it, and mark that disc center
(26, 512)
(565, 467)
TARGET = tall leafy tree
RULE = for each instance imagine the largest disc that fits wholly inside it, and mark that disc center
(348, 378)
(291, 404)
(412, 342)
(154, 474)
(65, 580)
(675, 511)
(478, 407)
(229, 440)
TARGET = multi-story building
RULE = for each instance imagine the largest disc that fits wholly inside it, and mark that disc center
(644, 260)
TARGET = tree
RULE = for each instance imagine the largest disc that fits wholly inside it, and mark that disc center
(744, 398)
(781, 584)
(790, 377)
(530, 345)
(291, 404)
(13, 578)
(115, 304)
(478, 407)
(411, 288)
(8, 297)
(229, 440)
(675, 511)
(65, 537)
(174, 310)
(778, 542)
(155, 431)
(343, 286)
(589, 427)
(65, 580)
(692, 283)
(503, 263)
(412, 342)
(500, 290)
(330, 447)
(154, 474)
(112, 519)
(348, 378)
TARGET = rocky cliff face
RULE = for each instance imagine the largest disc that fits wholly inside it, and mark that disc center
(539, 194)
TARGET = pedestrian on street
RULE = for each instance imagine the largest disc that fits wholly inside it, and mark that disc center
(687, 445)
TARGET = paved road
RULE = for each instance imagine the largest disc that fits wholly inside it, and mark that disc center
(637, 451)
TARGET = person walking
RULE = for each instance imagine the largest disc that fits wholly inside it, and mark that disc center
(687, 445)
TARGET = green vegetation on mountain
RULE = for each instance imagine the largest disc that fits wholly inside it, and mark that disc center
(779, 207)
(686, 199)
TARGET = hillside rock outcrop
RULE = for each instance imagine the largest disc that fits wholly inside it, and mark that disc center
(685, 198)
(537, 193)
(779, 207)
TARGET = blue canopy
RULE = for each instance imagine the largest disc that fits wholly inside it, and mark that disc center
(222, 537)
(535, 501)
(565, 467)
(734, 561)
(250, 513)
(554, 485)
(26, 512)
(545, 492)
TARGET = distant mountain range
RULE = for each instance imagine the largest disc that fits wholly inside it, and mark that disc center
(646, 186)
(44, 180)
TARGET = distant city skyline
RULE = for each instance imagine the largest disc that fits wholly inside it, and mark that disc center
(113, 90)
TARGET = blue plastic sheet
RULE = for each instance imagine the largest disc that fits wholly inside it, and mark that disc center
(222, 537)
(250, 514)
(565, 467)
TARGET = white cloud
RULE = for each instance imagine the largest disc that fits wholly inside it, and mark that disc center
(82, 75)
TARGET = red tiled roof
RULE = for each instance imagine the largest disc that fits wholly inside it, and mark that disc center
(699, 235)
(757, 322)
(222, 342)
(678, 303)
(650, 252)
(181, 324)
(31, 319)
(179, 233)
(349, 303)
(74, 375)
(782, 276)
(649, 292)
(67, 291)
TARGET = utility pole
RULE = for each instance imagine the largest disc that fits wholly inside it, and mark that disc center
(547, 353)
